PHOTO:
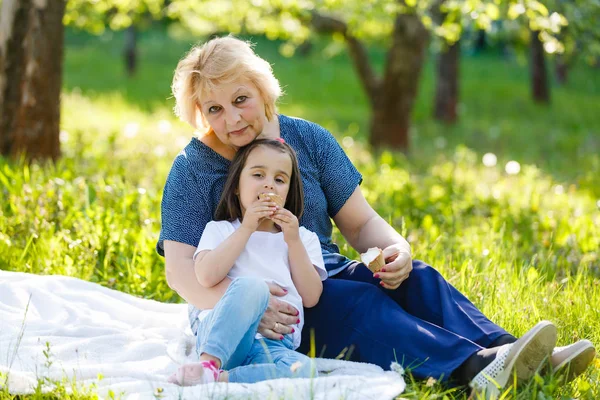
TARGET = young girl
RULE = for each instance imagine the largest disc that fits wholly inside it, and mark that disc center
(254, 241)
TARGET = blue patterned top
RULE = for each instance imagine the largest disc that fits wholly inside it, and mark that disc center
(196, 180)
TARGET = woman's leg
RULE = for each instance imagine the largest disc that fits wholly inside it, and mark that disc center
(358, 318)
(428, 296)
(272, 359)
(227, 333)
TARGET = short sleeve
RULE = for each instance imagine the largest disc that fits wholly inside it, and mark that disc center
(313, 248)
(184, 211)
(212, 237)
(339, 177)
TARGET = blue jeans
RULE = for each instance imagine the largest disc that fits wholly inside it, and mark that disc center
(228, 333)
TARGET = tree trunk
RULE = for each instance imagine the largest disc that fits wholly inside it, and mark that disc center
(540, 88)
(31, 52)
(446, 91)
(480, 43)
(394, 100)
(562, 70)
(130, 50)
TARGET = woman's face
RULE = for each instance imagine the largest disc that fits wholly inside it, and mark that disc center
(236, 112)
(266, 171)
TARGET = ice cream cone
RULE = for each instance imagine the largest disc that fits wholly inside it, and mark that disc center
(373, 259)
(274, 197)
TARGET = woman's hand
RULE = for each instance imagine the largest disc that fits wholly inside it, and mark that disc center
(279, 315)
(288, 224)
(397, 268)
(257, 212)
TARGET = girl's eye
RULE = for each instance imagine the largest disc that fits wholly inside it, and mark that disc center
(279, 180)
(240, 99)
(257, 175)
(213, 109)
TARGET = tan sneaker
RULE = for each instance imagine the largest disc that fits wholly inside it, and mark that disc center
(521, 358)
(572, 361)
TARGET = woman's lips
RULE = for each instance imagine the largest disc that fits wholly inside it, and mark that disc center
(238, 132)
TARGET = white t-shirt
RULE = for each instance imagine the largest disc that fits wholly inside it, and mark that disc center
(265, 256)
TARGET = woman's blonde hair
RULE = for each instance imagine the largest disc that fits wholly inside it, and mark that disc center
(220, 61)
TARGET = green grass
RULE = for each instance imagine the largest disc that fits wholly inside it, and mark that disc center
(523, 247)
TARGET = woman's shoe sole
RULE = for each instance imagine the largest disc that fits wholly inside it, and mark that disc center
(538, 346)
(577, 363)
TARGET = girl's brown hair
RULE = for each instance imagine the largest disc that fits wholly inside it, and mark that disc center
(229, 207)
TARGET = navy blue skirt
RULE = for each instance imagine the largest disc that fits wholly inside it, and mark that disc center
(426, 325)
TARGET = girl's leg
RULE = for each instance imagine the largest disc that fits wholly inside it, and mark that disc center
(226, 335)
(428, 296)
(359, 320)
(273, 359)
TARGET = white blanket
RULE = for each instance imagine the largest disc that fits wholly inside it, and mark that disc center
(130, 346)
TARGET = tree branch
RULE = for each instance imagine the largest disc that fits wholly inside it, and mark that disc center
(327, 24)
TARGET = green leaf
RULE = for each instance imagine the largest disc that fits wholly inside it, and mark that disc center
(532, 275)
(492, 11)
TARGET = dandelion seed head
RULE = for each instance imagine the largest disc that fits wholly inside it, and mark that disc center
(489, 159)
(512, 168)
(131, 129)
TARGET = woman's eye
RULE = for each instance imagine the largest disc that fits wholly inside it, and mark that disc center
(240, 99)
(214, 109)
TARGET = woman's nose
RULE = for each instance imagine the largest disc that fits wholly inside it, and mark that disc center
(232, 117)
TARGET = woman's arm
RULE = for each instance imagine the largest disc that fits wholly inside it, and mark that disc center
(181, 277)
(362, 227)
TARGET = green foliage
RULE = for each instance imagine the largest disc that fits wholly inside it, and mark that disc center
(522, 246)
(96, 16)
(49, 389)
(370, 20)
(581, 37)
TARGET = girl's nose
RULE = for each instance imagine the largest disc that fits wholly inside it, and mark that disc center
(267, 186)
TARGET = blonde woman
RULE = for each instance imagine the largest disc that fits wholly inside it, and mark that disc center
(407, 312)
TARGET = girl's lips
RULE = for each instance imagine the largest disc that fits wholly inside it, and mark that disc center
(238, 132)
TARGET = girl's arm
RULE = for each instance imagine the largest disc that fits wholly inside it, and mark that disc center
(304, 274)
(212, 266)
(181, 278)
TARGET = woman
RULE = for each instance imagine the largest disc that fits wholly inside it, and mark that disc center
(408, 313)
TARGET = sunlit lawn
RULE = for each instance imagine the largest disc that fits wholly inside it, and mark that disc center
(523, 247)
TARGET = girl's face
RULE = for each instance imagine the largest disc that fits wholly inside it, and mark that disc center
(267, 170)
(235, 112)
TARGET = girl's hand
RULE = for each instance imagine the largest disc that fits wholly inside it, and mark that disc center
(257, 212)
(288, 224)
(279, 315)
(397, 268)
